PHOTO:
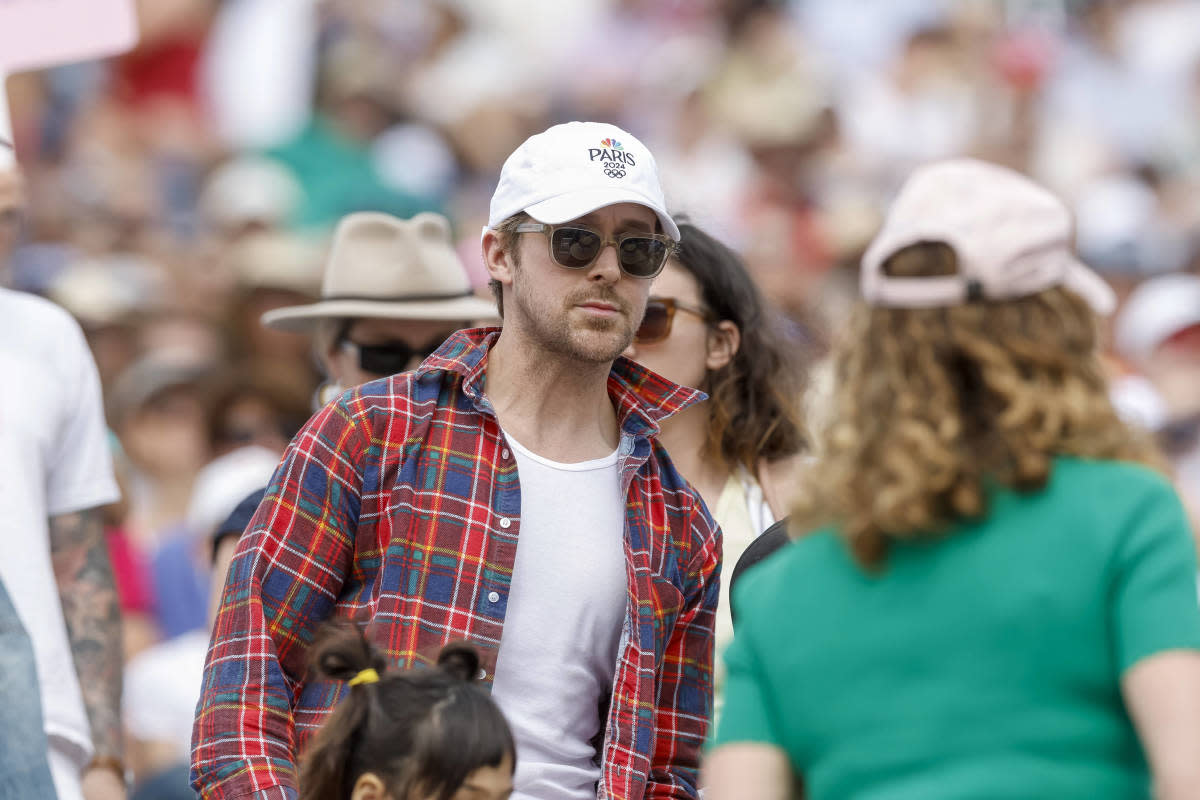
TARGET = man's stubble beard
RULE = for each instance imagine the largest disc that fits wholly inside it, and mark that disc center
(554, 332)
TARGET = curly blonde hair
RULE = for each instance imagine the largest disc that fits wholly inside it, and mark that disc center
(930, 404)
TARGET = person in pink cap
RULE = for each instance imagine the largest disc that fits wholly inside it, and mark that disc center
(510, 492)
(992, 591)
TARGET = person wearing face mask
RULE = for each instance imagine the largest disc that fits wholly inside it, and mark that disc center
(708, 326)
(393, 291)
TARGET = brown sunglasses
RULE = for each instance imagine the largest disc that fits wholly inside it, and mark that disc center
(660, 314)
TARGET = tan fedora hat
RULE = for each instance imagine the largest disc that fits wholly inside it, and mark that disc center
(383, 266)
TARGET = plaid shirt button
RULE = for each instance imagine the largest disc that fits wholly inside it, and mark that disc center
(493, 597)
(505, 523)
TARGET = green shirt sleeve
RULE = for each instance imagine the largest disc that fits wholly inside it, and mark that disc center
(1155, 605)
(747, 715)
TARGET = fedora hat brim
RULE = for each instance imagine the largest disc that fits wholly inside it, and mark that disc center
(304, 318)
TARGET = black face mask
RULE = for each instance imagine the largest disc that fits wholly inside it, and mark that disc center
(390, 357)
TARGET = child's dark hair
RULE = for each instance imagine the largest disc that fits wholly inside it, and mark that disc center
(421, 732)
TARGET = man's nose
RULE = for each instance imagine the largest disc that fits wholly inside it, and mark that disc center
(606, 268)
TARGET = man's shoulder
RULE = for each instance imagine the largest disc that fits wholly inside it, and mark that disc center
(405, 397)
(19, 309)
(40, 332)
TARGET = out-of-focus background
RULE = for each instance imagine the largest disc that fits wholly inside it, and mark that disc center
(177, 192)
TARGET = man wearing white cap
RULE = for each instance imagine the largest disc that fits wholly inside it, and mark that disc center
(510, 491)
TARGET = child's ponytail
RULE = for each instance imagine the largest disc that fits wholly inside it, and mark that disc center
(340, 653)
(420, 732)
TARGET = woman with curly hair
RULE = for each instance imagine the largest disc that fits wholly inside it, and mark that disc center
(993, 589)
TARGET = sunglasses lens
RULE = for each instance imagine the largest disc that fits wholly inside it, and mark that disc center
(575, 248)
(655, 325)
(385, 359)
(641, 256)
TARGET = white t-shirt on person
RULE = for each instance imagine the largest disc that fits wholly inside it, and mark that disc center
(54, 459)
(562, 627)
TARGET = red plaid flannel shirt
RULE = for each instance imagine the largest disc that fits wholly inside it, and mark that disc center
(400, 502)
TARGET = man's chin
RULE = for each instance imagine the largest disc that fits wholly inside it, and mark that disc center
(599, 344)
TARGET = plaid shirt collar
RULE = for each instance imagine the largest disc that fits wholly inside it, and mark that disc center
(642, 398)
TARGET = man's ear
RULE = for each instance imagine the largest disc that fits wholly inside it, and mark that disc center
(499, 263)
(368, 787)
(724, 339)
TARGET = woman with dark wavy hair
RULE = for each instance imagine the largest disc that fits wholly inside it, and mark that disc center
(707, 326)
(993, 589)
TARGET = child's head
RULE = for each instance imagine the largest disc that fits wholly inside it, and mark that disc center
(426, 734)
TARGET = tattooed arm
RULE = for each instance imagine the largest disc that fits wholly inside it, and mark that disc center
(89, 601)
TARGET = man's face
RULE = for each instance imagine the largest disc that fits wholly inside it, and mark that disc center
(12, 203)
(375, 348)
(585, 314)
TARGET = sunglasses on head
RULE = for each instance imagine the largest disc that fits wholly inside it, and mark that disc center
(660, 314)
(390, 357)
(641, 255)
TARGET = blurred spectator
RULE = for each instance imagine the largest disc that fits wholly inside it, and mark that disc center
(272, 270)
(248, 194)
(110, 296)
(182, 561)
(157, 408)
(923, 107)
(1158, 331)
(259, 404)
(162, 684)
(274, 42)
(394, 290)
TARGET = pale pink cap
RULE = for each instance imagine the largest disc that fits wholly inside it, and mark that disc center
(1012, 238)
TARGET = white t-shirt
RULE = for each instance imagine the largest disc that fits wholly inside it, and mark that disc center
(54, 459)
(563, 623)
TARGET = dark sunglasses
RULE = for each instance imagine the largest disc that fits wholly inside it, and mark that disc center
(641, 255)
(390, 357)
(660, 314)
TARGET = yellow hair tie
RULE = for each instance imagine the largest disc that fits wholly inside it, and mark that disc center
(368, 675)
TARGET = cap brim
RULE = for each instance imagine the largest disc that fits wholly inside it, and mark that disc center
(1080, 279)
(305, 318)
(573, 205)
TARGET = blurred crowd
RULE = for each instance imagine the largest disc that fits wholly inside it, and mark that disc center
(176, 193)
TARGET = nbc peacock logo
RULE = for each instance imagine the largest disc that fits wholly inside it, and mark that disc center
(612, 157)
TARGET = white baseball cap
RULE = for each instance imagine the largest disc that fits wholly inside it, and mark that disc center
(573, 169)
(1011, 238)
(1154, 312)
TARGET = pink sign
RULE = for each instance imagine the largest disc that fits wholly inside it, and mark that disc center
(35, 34)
